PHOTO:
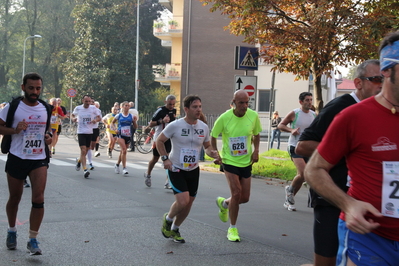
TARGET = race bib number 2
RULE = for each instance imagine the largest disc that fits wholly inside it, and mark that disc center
(33, 144)
(390, 189)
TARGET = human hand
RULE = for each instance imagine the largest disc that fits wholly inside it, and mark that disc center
(23, 125)
(355, 220)
(255, 157)
(295, 132)
(166, 119)
(167, 164)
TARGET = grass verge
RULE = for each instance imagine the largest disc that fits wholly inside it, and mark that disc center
(272, 164)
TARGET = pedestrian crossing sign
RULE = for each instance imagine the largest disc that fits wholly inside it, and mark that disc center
(246, 58)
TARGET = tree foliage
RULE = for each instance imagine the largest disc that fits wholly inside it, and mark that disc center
(97, 58)
(102, 61)
(310, 37)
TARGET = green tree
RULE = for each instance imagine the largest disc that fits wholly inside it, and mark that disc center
(10, 49)
(311, 37)
(102, 61)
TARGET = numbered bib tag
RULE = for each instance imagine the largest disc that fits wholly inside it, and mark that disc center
(390, 189)
(188, 158)
(33, 144)
(86, 119)
(53, 119)
(238, 146)
(125, 131)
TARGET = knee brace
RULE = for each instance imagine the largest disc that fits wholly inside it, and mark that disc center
(38, 205)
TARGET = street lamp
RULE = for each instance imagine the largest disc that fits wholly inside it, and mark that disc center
(136, 86)
(23, 60)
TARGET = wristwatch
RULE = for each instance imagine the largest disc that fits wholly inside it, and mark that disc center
(164, 158)
(49, 133)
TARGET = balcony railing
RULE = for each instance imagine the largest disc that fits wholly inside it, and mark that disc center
(165, 29)
(167, 73)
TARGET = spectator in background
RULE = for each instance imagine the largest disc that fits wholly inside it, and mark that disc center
(275, 131)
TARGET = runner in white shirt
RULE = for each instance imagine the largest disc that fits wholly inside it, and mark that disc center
(87, 116)
(188, 135)
(27, 157)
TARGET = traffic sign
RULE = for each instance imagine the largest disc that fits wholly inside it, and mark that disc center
(71, 92)
(246, 58)
(249, 84)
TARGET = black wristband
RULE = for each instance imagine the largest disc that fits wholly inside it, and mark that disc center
(159, 122)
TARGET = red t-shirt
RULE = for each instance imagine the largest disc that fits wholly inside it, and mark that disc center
(366, 134)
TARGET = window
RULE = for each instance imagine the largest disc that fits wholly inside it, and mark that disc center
(263, 100)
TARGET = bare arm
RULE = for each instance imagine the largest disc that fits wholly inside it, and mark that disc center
(210, 151)
(317, 175)
(283, 126)
(215, 146)
(306, 147)
(255, 154)
(160, 144)
(9, 130)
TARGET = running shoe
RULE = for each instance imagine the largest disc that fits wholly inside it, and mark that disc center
(147, 180)
(53, 150)
(167, 186)
(117, 171)
(97, 154)
(91, 167)
(223, 212)
(77, 167)
(166, 225)
(11, 240)
(232, 235)
(109, 154)
(33, 247)
(289, 207)
(125, 172)
(175, 234)
(289, 196)
(86, 173)
(26, 184)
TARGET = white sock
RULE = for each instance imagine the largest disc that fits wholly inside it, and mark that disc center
(89, 156)
(224, 204)
(174, 227)
(12, 229)
(168, 219)
(232, 226)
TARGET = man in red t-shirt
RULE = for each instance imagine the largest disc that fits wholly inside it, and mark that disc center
(365, 134)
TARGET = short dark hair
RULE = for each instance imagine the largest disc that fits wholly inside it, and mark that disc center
(389, 39)
(189, 99)
(31, 75)
(303, 95)
(86, 95)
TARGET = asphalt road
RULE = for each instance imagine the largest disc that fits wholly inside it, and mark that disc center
(112, 219)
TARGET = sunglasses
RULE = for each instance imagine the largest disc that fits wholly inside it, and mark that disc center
(374, 79)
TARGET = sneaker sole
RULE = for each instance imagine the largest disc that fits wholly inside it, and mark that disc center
(35, 254)
(220, 212)
(86, 175)
(179, 241)
(287, 206)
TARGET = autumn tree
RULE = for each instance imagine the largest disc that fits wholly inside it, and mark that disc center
(310, 37)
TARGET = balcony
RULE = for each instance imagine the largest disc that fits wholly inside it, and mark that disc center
(167, 73)
(167, 3)
(168, 29)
